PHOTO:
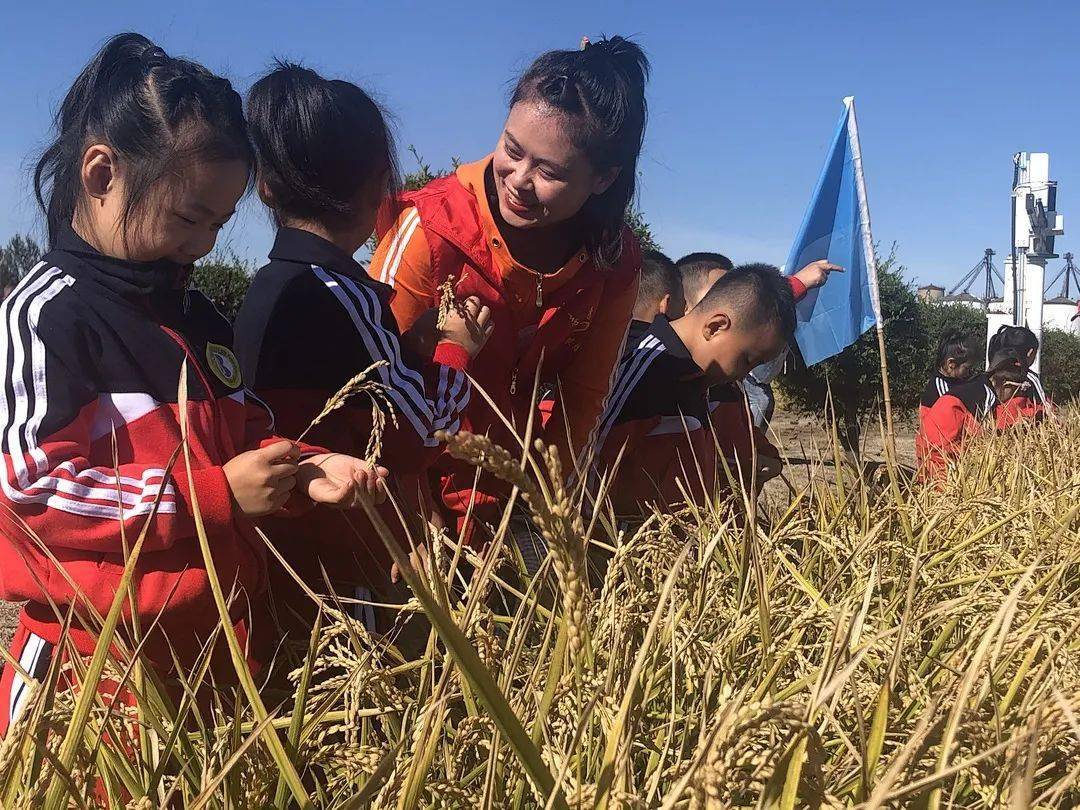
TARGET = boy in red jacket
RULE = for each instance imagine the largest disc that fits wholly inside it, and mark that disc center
(659, 413)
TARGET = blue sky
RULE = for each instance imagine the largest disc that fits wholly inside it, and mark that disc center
(743, 101)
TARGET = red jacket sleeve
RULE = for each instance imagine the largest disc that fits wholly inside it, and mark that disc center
(59, 481)
(942, 432)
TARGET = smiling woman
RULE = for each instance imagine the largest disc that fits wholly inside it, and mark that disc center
(537, 232)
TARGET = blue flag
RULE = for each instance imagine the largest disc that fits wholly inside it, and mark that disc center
(837, 227)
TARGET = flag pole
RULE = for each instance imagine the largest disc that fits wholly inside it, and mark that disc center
(870, 259)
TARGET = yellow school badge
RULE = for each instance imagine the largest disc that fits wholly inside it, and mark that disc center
(224, 364)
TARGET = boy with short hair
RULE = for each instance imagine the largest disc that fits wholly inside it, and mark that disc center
(701, 270)
(660, 291)
(659, 407)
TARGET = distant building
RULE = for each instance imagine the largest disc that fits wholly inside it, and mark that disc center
(1058, 313)
(930, 293)
(967, 300)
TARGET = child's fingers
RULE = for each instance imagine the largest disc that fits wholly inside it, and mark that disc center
(472, 306)
(282, 470)
(283, 449)
(483, 315)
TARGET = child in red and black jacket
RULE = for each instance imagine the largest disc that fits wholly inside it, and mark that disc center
(150, 160)
(1030, 399)
(313, 319)
(658, 417)
(738, 440)
(987, 401)
(955, 366)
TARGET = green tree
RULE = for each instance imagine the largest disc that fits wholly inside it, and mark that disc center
(1059, 364)
(937, 319)
(224, 278)
(636, 220)
(854, 375)
(16, 258)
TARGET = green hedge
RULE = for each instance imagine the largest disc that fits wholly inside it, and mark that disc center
(1060, 364)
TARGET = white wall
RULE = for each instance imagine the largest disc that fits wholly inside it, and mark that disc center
(1059, 316)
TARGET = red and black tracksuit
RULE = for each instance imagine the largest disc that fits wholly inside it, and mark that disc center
(966, 410)
(658, 418)
(738, 439)
(937, 387)
(93, 347)
(312, 320)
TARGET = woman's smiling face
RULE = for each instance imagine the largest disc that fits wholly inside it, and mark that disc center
(541, 176)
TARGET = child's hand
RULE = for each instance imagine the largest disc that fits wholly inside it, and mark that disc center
(471, 327)
(816, 273)
(261, 480)
(417, 559)
(340, 481)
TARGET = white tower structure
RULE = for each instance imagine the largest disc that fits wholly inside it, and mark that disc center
(1035, 223)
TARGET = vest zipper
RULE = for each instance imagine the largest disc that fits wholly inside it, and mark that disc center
(513, 382)
(539, 290)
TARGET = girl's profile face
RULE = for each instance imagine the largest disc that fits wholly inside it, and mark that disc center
(180, 219)
(541, 176)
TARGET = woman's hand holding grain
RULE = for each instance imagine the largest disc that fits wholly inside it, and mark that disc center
(261, 480)
(470, 326)
(340, 481)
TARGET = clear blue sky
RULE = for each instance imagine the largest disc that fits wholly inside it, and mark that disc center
(743, 100)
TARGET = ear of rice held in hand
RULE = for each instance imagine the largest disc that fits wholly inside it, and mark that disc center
(448, 302)
(380, 402)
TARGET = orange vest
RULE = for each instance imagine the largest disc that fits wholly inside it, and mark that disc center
(451, 222)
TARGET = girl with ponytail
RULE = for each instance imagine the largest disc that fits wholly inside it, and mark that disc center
(536, 231)
(150, 159)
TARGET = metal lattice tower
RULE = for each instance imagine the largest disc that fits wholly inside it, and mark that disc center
(1069, 276)
(987, 272)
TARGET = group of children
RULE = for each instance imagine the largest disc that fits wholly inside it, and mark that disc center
(959, 403)
(151, 156)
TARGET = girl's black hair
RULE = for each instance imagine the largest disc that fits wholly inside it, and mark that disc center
(155, 111)
(318, 143)
(602, 86)
(1018, 338)
(955, 346)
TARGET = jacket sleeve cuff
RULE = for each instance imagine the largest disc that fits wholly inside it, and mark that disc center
(306, 450)
(215, 498)
(448, 353)
(798, 289)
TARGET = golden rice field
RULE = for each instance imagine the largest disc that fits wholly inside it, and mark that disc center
(862, 640)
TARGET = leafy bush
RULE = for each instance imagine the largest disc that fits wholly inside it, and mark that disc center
(937, 319)
(1060, 364)
(224, 278)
